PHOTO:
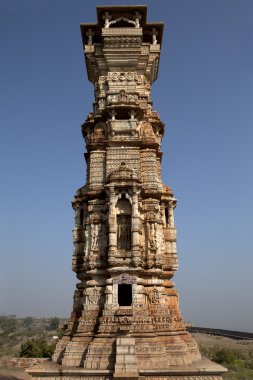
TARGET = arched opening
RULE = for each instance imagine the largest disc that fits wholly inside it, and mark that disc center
(125, 295)
(122, 22)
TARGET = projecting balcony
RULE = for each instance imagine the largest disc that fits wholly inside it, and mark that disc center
(122, 127)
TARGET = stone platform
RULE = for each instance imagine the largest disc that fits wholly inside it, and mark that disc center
(127, 366)
(202, 370)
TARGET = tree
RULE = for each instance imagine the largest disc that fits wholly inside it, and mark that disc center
(27, 321)
(36, 348)
(54, 323)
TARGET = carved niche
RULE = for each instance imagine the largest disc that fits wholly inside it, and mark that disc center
(123, 212)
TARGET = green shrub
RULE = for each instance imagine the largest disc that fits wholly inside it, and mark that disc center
(239, 363)
(223, 355)
(54, 323)
(36, 348)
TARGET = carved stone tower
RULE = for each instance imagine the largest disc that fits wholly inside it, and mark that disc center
(126, 321)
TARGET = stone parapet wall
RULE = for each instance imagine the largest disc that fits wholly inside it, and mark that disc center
(190, 377)
(21, 363)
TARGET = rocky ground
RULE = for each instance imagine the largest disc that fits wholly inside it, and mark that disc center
(13, 374)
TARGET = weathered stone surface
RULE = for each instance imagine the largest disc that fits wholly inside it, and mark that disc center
(21, 363)
(126, 321)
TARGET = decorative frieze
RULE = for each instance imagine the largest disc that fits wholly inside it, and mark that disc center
(122, 97)
(124, 279)
(97, 168)
(123, 77)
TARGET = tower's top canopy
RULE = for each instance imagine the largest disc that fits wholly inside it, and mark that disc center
(122, 40)
(111, 16)
(119, 10)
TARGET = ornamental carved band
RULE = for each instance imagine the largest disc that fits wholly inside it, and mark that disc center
(125, 317)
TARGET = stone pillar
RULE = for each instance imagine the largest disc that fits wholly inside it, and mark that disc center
(112, 226)
(77, 217)
(171, 214)
(136, 258)
(125, 366)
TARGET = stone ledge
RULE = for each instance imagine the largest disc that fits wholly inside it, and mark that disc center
(203, 367)
(202, 370)
(49, 369)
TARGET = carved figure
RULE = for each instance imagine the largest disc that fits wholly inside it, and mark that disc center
(123, 233)
(155, 296)
(95, 236)
(94, 296)
(152, 235)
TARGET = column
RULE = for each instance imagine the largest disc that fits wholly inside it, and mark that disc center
(136, 257)
(112, 225)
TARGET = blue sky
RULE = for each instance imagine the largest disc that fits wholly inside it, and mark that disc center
(204, 94)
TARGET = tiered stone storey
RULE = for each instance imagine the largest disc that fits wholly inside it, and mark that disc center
(126, 322)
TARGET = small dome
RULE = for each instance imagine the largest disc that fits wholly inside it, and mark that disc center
(122, 173)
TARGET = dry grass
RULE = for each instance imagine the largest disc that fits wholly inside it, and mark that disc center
(236, 355)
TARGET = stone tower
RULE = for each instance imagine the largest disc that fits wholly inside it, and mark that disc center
(126, 321)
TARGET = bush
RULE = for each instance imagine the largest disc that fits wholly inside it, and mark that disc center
(222, 355)
(27, 322)
(36, 348)
(8, 324)
(54, 323)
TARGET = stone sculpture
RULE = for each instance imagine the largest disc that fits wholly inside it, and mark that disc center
(126, 322)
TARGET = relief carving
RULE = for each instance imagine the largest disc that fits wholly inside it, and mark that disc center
(154, 296)
(124, 279)
(129, 76)
(151, 234)
(124, 232)
(95, 236)
(122, 97)
(93, 295)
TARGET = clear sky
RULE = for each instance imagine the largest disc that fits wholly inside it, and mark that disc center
(204, 94)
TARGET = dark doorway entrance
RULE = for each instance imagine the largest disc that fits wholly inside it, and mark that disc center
(125, 295)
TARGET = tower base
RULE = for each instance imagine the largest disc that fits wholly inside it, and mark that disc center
(202, 370)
